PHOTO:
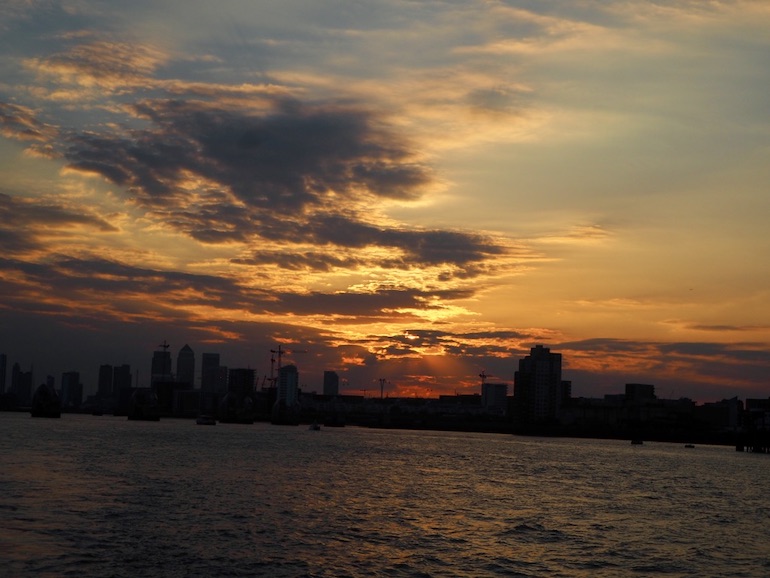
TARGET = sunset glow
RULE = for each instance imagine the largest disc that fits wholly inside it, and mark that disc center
(413, 192)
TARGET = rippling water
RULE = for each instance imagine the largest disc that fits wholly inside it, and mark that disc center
(102, 496)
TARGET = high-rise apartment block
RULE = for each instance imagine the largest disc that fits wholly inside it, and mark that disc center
(185, 366)
(538, 390)
(104, 385)
(288, 385)
(161, 367)
(331, 383)
(211, 379)
(71, 390)
(121, 378)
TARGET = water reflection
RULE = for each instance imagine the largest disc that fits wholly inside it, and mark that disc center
(99, 496)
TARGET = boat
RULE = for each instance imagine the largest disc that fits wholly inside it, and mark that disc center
(689, 446)
(314, 426)
(636, 442)
(206, 420)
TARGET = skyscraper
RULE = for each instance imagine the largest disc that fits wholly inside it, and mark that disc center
(210, 375)
(121, 379)
(71, 390)
(161, 366)
(538, 389)
(288, 385)
(185, 366)
(21, 385)
(331, 383)
(104, 386)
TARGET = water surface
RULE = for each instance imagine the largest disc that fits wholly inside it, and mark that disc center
(102, 496)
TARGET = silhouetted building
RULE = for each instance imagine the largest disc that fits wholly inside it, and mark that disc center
(286, 407)
(640, 392)
(104, 385)
(494, 398)
(722, 415)
(21, 385)
(71, 390)
(185, 366)
(210, 374)
(161, 366)
(3, 364)
(288, 385)
(121, 378)
(241, 380)
(238, 404)
(331, 383)
(538, 390)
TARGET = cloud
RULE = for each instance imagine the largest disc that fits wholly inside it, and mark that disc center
(25, 222)
(680, 364)
(101, 65)
(295, 174)
(21, 123)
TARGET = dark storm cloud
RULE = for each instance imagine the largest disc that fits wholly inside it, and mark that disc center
(293, 174)
(412, 248)
(432, 247)
(289, 158)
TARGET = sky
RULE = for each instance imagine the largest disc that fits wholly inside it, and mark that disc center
(413, 191)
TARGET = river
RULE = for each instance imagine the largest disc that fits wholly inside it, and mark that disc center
(96, 496)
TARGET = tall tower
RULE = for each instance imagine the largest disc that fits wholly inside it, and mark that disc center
(537, 387)
(331, 383)
(288, 385)
(104, 387)
(161, 365)
(71, 389)
(121, 378)
(210, 375)
(185, 366)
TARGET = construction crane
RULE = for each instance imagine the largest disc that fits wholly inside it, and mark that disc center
(280, 351)
(382, 387)
(483, 375)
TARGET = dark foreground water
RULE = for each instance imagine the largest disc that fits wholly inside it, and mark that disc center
(102, 496)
